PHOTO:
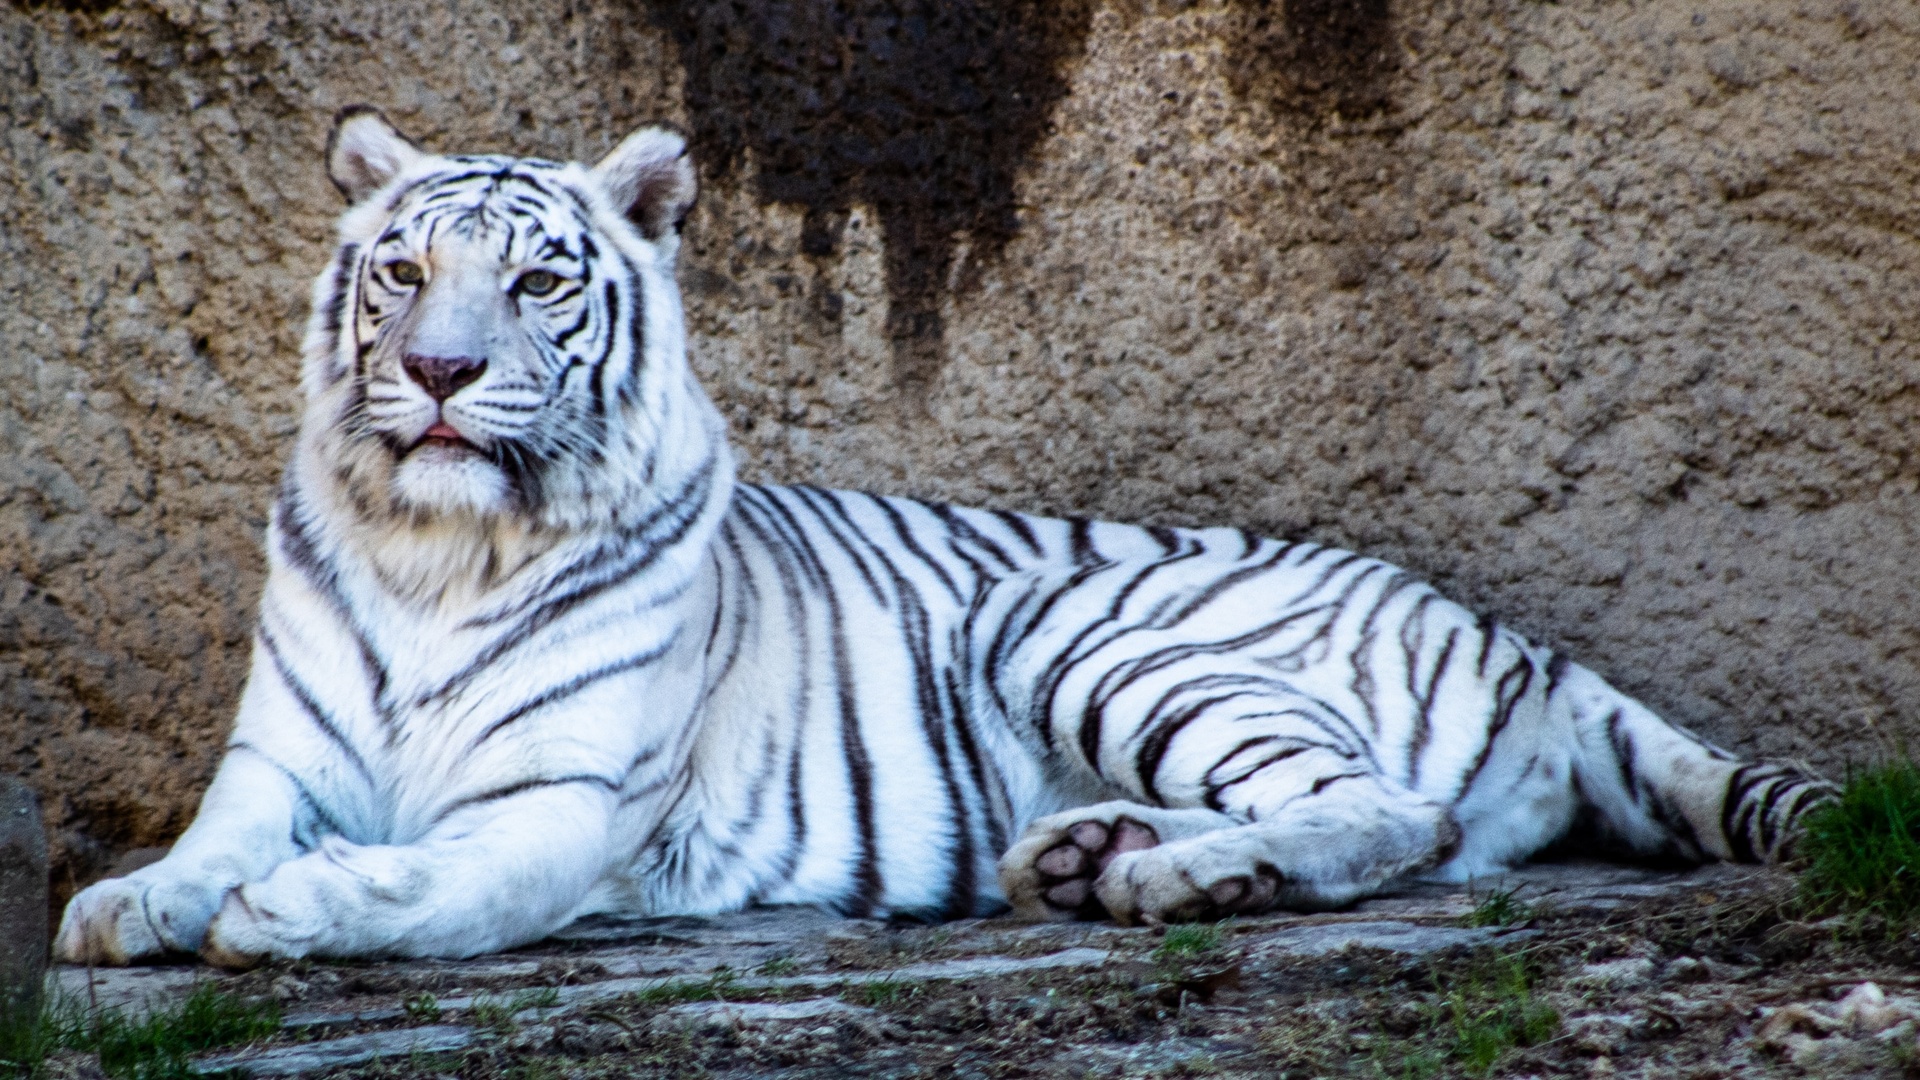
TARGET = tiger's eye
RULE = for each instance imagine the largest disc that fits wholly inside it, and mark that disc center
(539, 282)
(406, 273)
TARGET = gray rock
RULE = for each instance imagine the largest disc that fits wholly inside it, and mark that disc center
(333, 1053)
(567, 998)
(1320, 939)
(1626, 974)
(23, 895)
(756, 926)
(760, 1013)
(133, 991)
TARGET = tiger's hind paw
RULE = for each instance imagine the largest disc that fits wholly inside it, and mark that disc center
(1050, 875)
(1187, 882)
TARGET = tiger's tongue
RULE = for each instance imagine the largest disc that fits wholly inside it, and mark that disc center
(442, 430)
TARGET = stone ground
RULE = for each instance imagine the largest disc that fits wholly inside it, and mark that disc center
(1621, 971)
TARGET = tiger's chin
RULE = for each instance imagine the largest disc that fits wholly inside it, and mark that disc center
(449, 480)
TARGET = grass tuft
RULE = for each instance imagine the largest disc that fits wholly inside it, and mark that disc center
(497, 1013)
(1493, 1010)
(680, 991)
(1188, 940)
(1500, 908)
(155, 1047)
(1862, 850)
(779, 966)
(881, 993)
(27, 1035)
(1484, 1010)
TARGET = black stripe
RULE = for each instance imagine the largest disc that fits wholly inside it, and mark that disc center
(586, 315)
(1423, 728)
(809, 498)
(868, 887)
(1769, 828)
(571, 687)
(1327, 781)
(334, 318)
(304, 556)
(685, 509)
(1488, 630)
(521, 788)
(1227, 582)
(966, 532)
(1121, 676)
(1557, 666)
(1508, 690)
(1162, 730)
(679, 512)
(867, 884)
(308, 704)
(1080, 542)
(636, 336)
(1736, 810)
(1214, 788)
(1017, 523)
(313, 805)
(976, 763)
(1360, 659)
(1623, 754)
(905, 533)
(916, 630)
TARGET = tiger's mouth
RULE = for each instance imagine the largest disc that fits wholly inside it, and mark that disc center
(444, 436)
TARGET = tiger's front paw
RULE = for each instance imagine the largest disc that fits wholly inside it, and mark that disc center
(121, 920)
(1050, 874)
(1191, 881)
(295, 911)
(244, 935)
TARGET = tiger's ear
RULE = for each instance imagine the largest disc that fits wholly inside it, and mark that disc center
(650, 178)
(364, 152)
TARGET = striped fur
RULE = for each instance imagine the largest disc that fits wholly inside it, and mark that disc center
(563, 663)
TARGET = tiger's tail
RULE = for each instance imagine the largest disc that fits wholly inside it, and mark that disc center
(1659, 791)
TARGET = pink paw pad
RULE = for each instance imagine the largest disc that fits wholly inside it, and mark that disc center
(1069, 869)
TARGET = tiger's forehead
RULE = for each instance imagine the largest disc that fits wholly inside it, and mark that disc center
(518, 206)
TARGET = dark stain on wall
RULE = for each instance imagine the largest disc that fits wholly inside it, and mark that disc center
(1316, 57)
(923, 109)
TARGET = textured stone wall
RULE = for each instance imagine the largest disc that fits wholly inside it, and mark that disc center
(1597, 313)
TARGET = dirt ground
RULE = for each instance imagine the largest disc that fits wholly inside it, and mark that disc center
(1560, 970)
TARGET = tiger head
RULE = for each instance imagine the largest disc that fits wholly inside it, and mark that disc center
(500, 339)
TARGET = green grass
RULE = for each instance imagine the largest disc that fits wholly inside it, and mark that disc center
(1483, 1011)
(422, 1007)
(491, 1011)
(779, 966)
(881, 993)
(1188, 940)
(1500, 908)
(155, 1047)
(1862, 851)
(680, 991)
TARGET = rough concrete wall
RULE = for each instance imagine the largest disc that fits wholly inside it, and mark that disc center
(1592, 312)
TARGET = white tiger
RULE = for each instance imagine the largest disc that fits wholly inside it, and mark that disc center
(528, 652)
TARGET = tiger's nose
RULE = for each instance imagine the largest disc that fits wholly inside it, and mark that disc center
(442, 376)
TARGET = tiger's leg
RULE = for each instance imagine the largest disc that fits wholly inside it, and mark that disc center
(505, 868)
(1250, 795)
(251, 819)
(1658, 790)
